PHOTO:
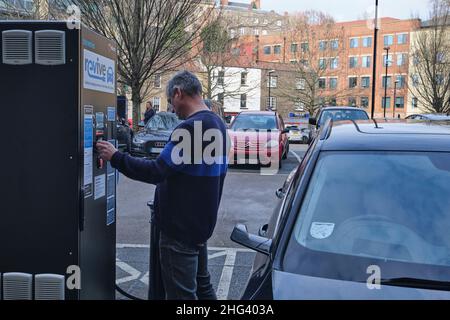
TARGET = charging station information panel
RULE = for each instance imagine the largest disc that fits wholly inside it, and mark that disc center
(58, 208)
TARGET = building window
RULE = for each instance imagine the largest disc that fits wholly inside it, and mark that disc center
(272, 81)
(305, 47)
(277, 49)
(334, 63)
(365, 102)
(271, 103)
(279, 23)
(367, 42)
(293, 61)
(256, 32)
(352, 82)
(388, 40)
(242, 31)
(401, 59)
(354, 43)
(322, 64)
(333, 101)
(387, 60)
(300, 84)
(221, 78)
(440, 57)
(267, 50)
(157, 81)
(333, 83)
(439, 79)
(299, 106)
(415, 80)
(401, 82)
(322, 83)
(265, 32)
(334, 44)
(386, 103)
(244, 101)
(415, 103)
(244, 78)
(156, 103)
(366, 61)
(400, 102)
(353, 62)
(352, 102)
(402, 38)
(387, 82)
(221, 98)
(416, 59)
(304, 63)
(365, 82)
(232, 33)
(294, 47)
(323, 45)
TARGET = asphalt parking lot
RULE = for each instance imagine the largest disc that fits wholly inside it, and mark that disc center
(248, 198)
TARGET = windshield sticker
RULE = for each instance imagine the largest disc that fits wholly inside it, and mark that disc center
(320, 230)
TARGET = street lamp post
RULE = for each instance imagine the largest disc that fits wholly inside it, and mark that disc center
(375, 48)
(386, 80)
(270, 88)
(395, 97)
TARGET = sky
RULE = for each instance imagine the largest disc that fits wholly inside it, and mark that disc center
(346, 10)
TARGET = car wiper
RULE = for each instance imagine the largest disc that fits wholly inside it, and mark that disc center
(418, 283)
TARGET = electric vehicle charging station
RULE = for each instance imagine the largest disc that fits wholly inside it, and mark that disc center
(58, 199)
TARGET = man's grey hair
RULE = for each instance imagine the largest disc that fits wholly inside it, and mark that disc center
(187, 82)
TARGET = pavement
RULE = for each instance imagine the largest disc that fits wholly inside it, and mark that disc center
(248, 198)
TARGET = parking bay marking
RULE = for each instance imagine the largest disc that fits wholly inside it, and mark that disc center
(223, 288)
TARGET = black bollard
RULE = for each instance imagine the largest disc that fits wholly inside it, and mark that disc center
(155, 287)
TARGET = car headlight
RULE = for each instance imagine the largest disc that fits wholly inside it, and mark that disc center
(138, 142)
(272, 144)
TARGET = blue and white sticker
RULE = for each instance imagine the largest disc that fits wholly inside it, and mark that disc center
(99, 72)
(322, 230)
(111, 114)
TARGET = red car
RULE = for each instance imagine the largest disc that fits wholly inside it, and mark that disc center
(258, 137)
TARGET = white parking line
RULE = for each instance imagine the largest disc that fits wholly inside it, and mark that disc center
(146, 246)
(227, 273)
(297, 156)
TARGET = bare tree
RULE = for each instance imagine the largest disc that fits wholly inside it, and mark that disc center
(221, 59)
(317, 51)
(430, 76)
(153, 36)
(36, 10)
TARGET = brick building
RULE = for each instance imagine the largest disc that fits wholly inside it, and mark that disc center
(348, 70)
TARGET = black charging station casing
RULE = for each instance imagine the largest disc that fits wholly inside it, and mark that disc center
(58, 204)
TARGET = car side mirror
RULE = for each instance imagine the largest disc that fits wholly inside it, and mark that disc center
(313, 121)
(241, 236)
(263, 230)
(280, 194)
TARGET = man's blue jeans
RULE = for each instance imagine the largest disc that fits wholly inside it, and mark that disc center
(184, 270)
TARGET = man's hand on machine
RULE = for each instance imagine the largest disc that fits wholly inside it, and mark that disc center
(106, 150)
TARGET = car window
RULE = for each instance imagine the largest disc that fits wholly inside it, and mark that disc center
(254, 122)
(388, 212)
(342, 115)
(370, 208)
(163, 122)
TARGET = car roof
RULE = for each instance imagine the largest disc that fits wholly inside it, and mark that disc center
(388, 135)
(258, 113)
(341, 108)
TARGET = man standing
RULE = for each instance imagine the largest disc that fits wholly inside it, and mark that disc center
(149, 112)
(188, 192)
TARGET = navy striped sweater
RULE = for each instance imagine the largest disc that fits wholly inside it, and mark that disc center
(188, 193)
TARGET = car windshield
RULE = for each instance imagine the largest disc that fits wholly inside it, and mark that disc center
(342, 115)
(388, 207)
(163, 122)
(254, 122)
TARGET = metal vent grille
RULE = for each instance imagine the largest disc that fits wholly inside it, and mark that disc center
(17, 47)
(17, 286)
(49, 287)
(50, 47)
